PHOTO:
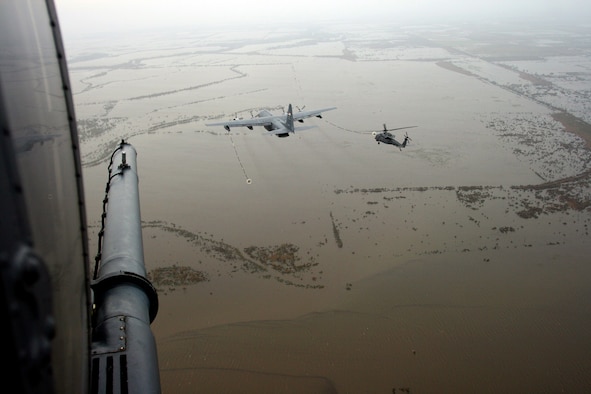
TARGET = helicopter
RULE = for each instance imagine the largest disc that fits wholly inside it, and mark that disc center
(388, 138)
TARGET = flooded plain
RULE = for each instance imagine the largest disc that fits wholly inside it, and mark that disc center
(324, 262)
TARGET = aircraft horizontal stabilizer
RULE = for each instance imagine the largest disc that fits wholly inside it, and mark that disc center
(277, 132)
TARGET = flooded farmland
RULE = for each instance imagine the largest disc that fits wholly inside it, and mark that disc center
(324, 262)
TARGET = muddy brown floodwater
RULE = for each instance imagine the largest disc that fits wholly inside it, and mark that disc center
(325, 262)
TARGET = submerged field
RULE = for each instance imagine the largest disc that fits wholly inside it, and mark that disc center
(456, 264)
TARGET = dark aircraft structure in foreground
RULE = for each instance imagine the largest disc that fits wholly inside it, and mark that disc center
(63, 329)
(388, 138)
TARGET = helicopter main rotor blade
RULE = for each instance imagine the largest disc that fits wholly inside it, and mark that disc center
(374, 132)
(401, 128)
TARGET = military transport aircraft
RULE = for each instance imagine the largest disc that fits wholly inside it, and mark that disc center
(280, 125)
(387, 138)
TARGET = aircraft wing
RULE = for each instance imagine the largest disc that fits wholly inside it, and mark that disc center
(309, 114)
(264, 121)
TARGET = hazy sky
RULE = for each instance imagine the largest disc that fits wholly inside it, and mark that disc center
(90, 16)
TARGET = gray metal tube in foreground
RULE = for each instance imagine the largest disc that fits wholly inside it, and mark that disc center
(124, 357)
(122, 245)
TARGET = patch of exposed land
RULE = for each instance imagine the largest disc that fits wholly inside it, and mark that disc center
(175, 276)
(282, 263)
(574, 125)
(454, 68)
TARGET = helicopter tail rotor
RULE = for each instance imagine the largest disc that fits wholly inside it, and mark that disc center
(406, 140)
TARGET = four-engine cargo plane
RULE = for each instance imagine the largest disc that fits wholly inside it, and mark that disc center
(280, 125)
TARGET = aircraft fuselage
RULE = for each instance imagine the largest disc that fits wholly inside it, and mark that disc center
(388, 138)
(276, 124)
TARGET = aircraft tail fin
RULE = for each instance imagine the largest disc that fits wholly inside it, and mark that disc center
(289, 120)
